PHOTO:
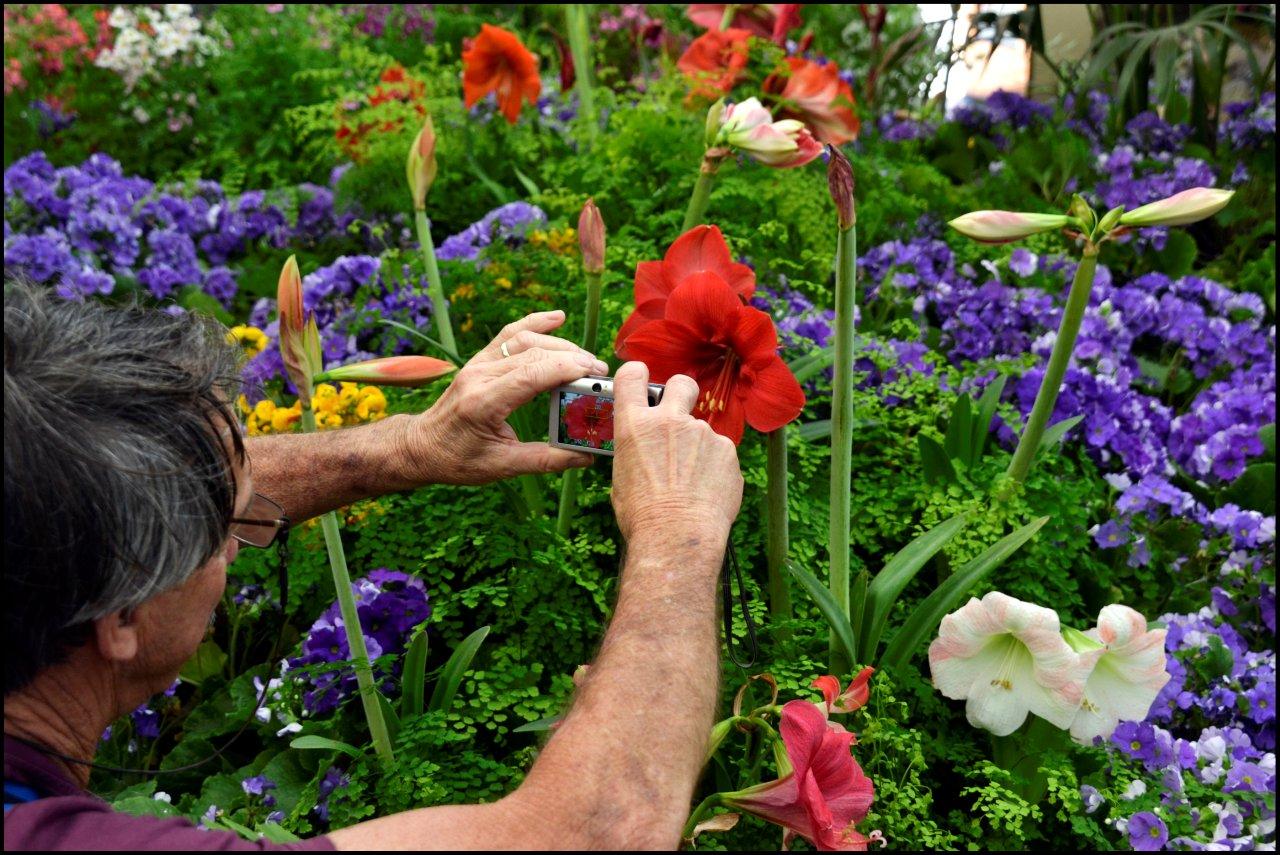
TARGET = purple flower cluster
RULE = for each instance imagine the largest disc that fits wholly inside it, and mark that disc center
(1000, 110)
(390, 604)
(508, 223)
(411, 19)
(1249, 124)
(51, 118)
(80, 228)
(334, 779)
(1132, 178)
(900, 127)
(344, 296)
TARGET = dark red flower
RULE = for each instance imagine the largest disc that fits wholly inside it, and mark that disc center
(715, 61)
(589, 419)
(731, 349)
(702, 248)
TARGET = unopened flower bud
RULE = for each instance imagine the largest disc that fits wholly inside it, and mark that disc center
(299, 337)
(840, 183)
(591, 238)
(1110, 219)
(420, 167)
(749, 127)
(391, 371)
(1082, 212)
(1006, 226)
(714, 116)
(1180, 209)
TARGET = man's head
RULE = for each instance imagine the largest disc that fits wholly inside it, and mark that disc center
(121, 457)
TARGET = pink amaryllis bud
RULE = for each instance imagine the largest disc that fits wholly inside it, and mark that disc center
(749, 127)
(391, 371)
(420, 167)
(1006, 226)
(591, 238)
(299, 336)
(1180, 209)
(840, 183)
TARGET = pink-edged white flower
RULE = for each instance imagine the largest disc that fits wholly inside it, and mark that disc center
(1129, 674)
(749, 127)
(1180, 209)
(1007, 658)
(1006, 226)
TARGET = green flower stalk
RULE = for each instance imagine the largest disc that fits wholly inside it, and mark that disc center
(779, 543)
(420, 169)
(840, 183)
(575, 18)
(1181, 209)
(300, 345)
(591, 235)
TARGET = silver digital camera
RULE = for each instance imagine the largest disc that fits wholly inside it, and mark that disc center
(582, 414)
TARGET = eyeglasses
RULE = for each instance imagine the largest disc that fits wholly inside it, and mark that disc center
(264, 524)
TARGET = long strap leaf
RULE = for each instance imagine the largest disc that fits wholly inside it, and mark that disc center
(986, 412)
(830, 610)
(455, 669)
(895, 576)
(1054, 433)
(415, 675)
(925, 619)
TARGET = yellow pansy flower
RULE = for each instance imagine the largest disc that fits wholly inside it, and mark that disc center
(264, 410)
(252, 339)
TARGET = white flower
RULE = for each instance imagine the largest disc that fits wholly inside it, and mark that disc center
(141, 116)
(1127, 677)
(162, 796)
(1007, 658)
(121, 17)
(291, 727)
(1137, 788)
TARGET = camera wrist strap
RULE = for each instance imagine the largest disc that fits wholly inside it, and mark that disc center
(731, 568)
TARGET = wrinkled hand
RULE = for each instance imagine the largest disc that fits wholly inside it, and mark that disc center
(672, 474)
(465, 439)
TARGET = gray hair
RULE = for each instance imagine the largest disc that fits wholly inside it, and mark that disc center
(119, 481)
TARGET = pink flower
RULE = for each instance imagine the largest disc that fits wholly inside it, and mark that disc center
(391, 371)
(1180, 209)
(591, 238)
(1006, 226)
(749, 127)
(767, 20)
(824, 795)
(855, 697)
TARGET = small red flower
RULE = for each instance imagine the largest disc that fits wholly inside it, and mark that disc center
(817, 96)
(767, 20)
(589, 419)
(496, 61)
(731, 349)
(854, 697)
(715, 61)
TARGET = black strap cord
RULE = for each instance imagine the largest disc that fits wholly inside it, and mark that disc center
(262, 697)
(732, 568)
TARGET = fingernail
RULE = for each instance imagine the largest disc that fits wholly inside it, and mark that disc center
(586, 360)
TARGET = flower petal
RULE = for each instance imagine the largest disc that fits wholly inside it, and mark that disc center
(703, 248)
(773, 397)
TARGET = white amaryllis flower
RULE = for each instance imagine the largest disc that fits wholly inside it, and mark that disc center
(1007, 658)
(1180, 209)
(749, 127)
(1128, 675)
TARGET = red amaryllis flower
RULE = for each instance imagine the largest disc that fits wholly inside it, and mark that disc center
(854, 697)
(700, 249)
(589, 419)
(715, 61)
(495, 61)
(729, 348)
(817, 96)
(826, 792)
(767, 20)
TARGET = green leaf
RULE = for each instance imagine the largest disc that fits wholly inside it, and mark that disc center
(276, 833)
(804, 367)
(389, 715)
(529, 186)
(986, 414)
(896, 575)
(830, 609)
(937, 467)
(1054, 433)
(414, 675)
(324, 743)
(925, 619)
(959, 429)
(144, 806)
(813, 431)
(1178, 256)
(539, 725)
(1255, 489)
(455, 669)
(207, 662)
(1267, 433)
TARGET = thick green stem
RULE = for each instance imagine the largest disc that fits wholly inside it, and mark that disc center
(702, 809)
(726, 20)
(351, 620)
(439, 308)
(575, 18)
(701, 191)
(842, 443)
(779, 541)
(573, 478)
(1063, 345)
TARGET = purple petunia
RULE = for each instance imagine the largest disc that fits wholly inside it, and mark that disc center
(1147, 832)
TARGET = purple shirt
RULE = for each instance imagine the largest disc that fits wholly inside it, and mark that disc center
(67, 817)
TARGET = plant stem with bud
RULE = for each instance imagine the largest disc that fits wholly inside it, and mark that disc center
(439, 308)
(702, 189)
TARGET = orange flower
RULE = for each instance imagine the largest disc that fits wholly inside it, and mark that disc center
(817, 96)
(715, 61)
(495, 61)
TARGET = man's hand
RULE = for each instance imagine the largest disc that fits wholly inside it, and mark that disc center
(465, 438)
(670, 468)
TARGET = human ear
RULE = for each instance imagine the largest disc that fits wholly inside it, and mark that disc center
(117, 635)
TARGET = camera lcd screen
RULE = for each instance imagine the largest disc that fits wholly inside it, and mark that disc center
(586, 421)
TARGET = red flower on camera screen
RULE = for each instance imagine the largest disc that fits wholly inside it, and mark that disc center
(589, 419)
(731, 349)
